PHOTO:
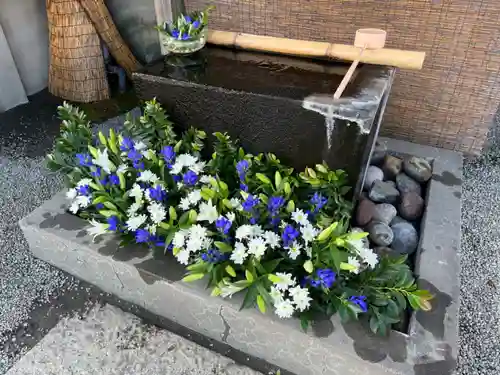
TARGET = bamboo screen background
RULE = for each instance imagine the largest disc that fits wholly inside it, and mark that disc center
(450, 103)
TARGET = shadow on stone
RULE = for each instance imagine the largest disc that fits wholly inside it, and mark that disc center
(443, 367)
(374, 348)
(166, 268)
(433, 321)
(448, 179)
(63, 221)
(322, 326)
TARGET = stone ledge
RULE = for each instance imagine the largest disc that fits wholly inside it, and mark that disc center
(132, 274)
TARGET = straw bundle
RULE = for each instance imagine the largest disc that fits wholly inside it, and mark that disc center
(449, 103)
(99, 14)
(76, 69)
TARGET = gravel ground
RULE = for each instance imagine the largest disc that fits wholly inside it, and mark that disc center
(110, 341)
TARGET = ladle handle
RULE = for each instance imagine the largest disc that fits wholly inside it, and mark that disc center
(348, 75)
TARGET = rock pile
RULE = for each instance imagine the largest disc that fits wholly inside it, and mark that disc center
(392, 204)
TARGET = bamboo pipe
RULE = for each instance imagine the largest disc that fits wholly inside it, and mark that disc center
(384, 56)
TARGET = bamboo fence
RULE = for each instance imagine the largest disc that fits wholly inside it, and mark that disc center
(450, 103)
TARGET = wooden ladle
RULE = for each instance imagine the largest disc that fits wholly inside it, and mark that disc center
(365, 39)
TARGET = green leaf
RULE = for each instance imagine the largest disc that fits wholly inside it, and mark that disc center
(311, 172)
(304, 323)
(249, 276)
(321, 168)
(94, 186)
(100, 199)
(336, 256)
(108, 213)
(193, 277)
(326, 233)
(230, 271)
(290, 207)
(164, 225)
(308, 266)
(357, 235)
(192, 216)
(392, 309)
(347, 267)
(414, 301)
(263, 198)
(172, 213)
(277, 180)
(93, 151)
(110, 206)
(423, 294)
(102, 139)
(263, 178)
(261, 304)
(287, 188)
(271, 265)
(207, 193)
(250, 297)
(400, 300)
(374, 324)
(223, 246)
(177, 147)
(123, 184)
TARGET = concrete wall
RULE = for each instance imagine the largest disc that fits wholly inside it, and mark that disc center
(24, 25)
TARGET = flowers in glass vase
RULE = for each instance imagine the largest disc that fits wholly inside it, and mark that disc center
(246, 223)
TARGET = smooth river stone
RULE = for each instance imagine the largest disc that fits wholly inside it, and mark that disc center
(364, 212)
(380, 234)
(372, 174)
(392, 167)
(411, 206)
(418, 169)
(384, 213)
(405, 238)
(384, 192)
(406, 184)
(378, 153)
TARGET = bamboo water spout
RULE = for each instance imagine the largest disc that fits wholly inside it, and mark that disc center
(384, 56)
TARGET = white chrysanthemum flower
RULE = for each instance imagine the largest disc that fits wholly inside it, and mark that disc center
(231, 216)
(244, 231)
(275, 294)
(148, 176)
(300, 297)
(284, 309)
(300, 217)
(139, 146)
(103, 161)
(358, 245)
(180, 185)
(83, 201)
(205, 179)
(294, 250)
(134, 222)
(194, 197)
(198, 167)
(83, 182)
(236, 204)
(97, 229)
(352, 261)
(74, 207)
(136, 192)
(309, 251)
(239, 253)
(286, 280)
(179, 239)
(187, 160)
(176, 168)
(257, 247)
(184, 204)
(151, 228)
(272, 239)
(309, 233)
(183, 257)
(208, 212)
(194, 244)
(369, 257)
(122, 168)
(157, 212)
(198, 231)
(71, 194)
(257, 231)
(134, 207)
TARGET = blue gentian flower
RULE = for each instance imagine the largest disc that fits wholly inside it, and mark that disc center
(114, 179)
(157, 193)
(190, 178)
(250, 203)
(185, 36)
(319, 201)
(274, 205)
(84, 160)
(176, 178)
(168, 154)
(360, 301)
(83, 190)
(242, 168)
(275, 221)
(134, 155)
(127, 144)
(139, 165)
(99, 206)
(289, 235)
(326, 277)
(188, 19)
(175, 33)
(196, 24)
(214, 256)
(113, 223)
(223, 224)
(142, 236)
(244, 187)
(104, 181)
(157, 240)
(97, 172)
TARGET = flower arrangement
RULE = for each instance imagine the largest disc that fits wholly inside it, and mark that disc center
(188, 33)
(246, 223)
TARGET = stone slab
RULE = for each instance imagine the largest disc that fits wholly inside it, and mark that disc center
(330, 347)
